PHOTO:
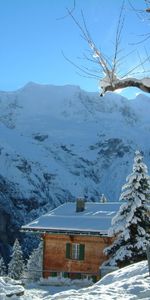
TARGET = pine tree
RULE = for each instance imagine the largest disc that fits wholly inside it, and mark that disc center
(16, 264)
(3, 270)
(131, 223)
(103, 199)
(35, 264)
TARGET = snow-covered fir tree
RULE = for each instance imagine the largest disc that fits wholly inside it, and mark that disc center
(3, 269)
(16, 264)
(130, 226)
(103, 199)
(35, 264)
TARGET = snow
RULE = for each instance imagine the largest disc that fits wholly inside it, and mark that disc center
(82, 122)
(61, 281)
(95, 218)
(9, 287)
(16, 264)
(130, 224)
(111, 79)
(89, 149)
(146, 81)
(129, 283)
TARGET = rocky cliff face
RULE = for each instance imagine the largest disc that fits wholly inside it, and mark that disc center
(58, 143)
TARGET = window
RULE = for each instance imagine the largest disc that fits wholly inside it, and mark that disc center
(75, 251)
(75, 276)
(86, 276)
(53, 274)
(65, 274)
(94, 278)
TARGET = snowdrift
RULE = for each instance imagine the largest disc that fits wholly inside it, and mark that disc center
(9, 288)
(127, 283)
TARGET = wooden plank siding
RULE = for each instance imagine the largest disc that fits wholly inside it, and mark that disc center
(54, 254)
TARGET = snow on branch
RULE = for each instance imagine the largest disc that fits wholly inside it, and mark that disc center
(116, 83)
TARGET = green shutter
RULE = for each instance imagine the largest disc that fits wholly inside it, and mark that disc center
(68, 248)
(54, 274)
(78, 276)
(65, 275)
(81, 253)
(94, 278)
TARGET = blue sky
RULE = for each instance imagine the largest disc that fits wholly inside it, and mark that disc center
(34, 34)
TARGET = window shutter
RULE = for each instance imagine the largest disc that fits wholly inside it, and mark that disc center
(65, 275)
(54, 274)
(78, 275)
(81, 253)
(94, 278)
(68, 248)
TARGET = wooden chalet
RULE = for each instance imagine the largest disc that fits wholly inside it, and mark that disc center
(74, 236)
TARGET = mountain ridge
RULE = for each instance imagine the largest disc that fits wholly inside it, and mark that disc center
(58, 143)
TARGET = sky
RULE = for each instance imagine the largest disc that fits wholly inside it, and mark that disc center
(34, 33)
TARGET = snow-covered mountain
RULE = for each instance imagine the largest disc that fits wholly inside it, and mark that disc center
(58, 143)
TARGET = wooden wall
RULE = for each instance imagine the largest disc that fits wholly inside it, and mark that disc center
(55, 254)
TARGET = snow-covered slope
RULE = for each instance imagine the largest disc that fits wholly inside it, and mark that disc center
(57, 143)
(130, 283)
(10, 288)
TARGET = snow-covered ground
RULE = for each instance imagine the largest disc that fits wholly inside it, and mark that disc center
(10, 288)
(130, 283)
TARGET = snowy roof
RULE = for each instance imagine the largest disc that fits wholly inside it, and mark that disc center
(95, 219)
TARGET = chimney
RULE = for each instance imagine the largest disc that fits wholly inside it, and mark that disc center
(80, 205)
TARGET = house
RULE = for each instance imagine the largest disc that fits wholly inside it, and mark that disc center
(74, 236)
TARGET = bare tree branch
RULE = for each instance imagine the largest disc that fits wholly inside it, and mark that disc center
(142, 14)
(72, 10)
(79, 68)
(118, 39)
(128, 82)
(108, 67)
(86, 35)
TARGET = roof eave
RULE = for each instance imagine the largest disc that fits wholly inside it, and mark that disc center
(67, 232)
